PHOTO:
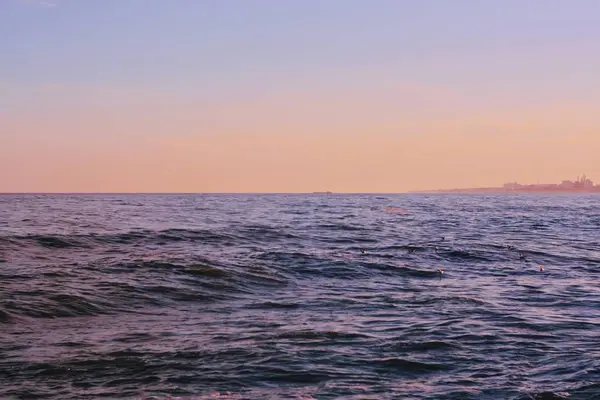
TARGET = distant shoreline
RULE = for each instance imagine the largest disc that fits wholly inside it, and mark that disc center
(506, 191)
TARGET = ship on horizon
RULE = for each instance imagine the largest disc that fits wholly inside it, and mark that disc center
(582, 185)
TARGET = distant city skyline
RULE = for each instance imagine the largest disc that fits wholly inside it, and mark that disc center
(582, 184)
(581, 181)
(377, 96)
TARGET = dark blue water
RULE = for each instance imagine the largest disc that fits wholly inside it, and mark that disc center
(272, 297)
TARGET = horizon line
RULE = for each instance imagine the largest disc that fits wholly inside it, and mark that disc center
(414, 192)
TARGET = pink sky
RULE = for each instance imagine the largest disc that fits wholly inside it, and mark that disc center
(102, 139)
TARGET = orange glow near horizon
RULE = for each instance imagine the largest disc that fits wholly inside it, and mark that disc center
(380, 141)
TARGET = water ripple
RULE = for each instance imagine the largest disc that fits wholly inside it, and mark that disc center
(299, 297)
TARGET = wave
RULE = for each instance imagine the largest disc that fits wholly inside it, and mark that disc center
(241, 235)
(275, 305)
(423, 346)
(5, 317)
(47, 304)
(321, 335)
(408, 366)
(147, 284)
(338, 227)
(57, 242)
(545, 396)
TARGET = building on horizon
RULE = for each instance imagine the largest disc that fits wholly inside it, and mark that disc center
(582, 183)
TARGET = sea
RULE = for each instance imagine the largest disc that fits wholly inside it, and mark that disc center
(303, 296)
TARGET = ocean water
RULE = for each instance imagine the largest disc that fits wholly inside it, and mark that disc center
(299, 297)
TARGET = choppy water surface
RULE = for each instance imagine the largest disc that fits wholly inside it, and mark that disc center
(255, 297)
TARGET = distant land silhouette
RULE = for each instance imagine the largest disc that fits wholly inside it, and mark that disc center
(581, 185)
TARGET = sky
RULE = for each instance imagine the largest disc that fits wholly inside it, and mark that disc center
(296, 96)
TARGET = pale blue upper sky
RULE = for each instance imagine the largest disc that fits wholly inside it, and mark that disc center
(225, 45)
